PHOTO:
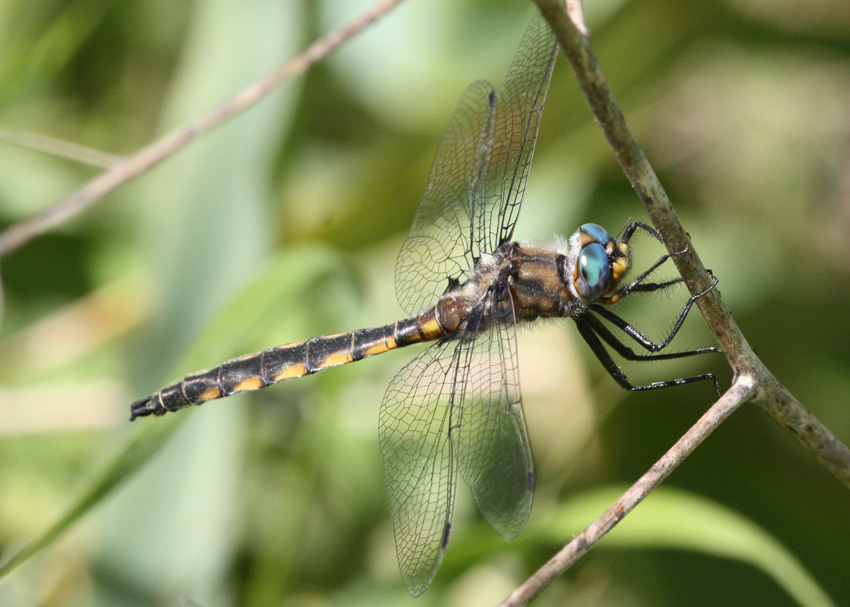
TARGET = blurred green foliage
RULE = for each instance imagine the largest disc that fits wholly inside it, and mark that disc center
(284, 224)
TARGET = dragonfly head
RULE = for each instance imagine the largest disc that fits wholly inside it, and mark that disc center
(601, 264)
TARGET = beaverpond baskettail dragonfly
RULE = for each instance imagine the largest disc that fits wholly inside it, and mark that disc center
(456, 408)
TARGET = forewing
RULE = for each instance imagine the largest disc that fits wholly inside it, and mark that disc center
(475, 188)
(492, 445)
(440, 241)
(419, 468)
(519, 107)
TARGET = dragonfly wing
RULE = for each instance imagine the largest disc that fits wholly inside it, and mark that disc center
(519, 107)
(475, 188)
(492, 445)
(419, 467)
(440, 242)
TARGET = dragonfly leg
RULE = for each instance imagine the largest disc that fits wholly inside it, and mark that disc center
(636, 335)
(608, 337)
(636, 284)
(593, 332)
(650, 287)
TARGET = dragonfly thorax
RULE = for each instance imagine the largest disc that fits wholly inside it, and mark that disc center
(487, 283)
(541, 281)
(563, 281)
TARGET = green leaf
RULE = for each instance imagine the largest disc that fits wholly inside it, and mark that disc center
(678, 520)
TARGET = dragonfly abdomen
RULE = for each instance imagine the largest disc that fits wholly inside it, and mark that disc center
(276, 364)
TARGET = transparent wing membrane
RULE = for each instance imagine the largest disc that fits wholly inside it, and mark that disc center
(419, 468)
(456, 405)
(519, 107)
(491, 442)
(475, 188)
(444, 235)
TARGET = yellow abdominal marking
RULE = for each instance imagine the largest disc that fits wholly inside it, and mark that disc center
(337, 358)
(380, 347)
(210, 393)
(293, 370)
(431, 329)
(288, 346)
(252, 383)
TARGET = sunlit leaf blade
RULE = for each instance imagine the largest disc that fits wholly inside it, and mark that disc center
(674, 519)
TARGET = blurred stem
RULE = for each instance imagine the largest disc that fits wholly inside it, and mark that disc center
(143, 445)
(752, 382)
(59, 148)
(154, 153)
(740, 391)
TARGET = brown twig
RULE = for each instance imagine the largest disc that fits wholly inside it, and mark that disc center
(741, 390)
(159, 150)
(753, 382)
(769, 393)
(60, 148)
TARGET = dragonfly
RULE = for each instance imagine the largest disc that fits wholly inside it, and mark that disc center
(456, 409)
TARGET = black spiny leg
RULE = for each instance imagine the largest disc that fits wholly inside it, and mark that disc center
(594, 332)
(588, 326)
(650, 287)
(634, 226)
(602, 332)
(636, 285)
(636, 335)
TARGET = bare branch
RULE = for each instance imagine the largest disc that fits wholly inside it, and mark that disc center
(770, 394)
(159, 150)
(753, 382)
(743, 389)
(60, 148)
(787, 411)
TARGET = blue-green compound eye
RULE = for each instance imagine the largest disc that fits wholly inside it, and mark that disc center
(594, 271)
(597, 233)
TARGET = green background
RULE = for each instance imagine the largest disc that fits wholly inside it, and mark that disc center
(285, 223)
